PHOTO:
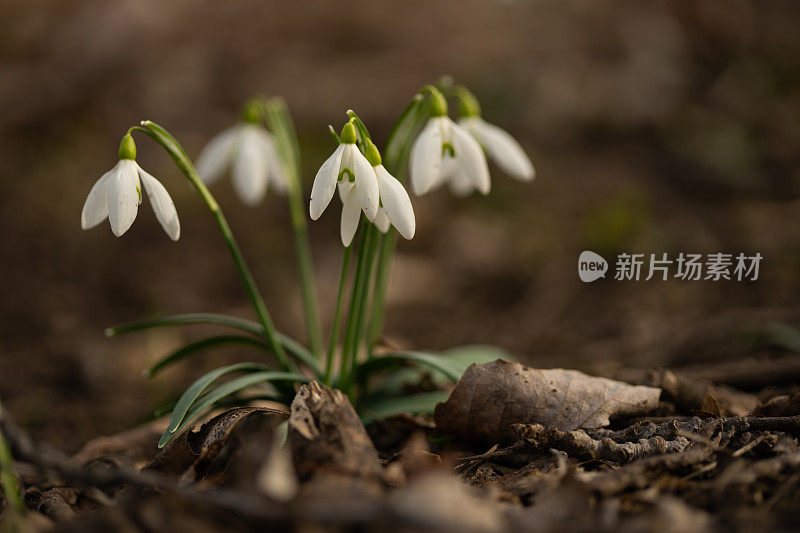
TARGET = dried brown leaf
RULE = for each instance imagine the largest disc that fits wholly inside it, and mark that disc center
(326, 434)
(489, 398)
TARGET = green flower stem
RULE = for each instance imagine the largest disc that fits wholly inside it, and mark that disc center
(337, 317)
(396, 151)
(357, 299)
(354, 295)
(365, 296)
(174, 149)
(382, 270)
(280, 123)
(8, 478)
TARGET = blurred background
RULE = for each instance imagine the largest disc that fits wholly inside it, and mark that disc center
(664, 126)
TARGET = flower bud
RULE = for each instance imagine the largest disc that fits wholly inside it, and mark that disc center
(349, 134)
(438, 104)
(127, 148)
(468, 105)
(250, 112)
(372, 153)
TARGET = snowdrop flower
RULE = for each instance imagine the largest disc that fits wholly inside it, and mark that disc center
(357, 183)
(444, 152)
(394, 208)
(248, 150)
(501, 147)
(118, 193)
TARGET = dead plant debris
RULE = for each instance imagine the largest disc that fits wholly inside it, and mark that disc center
(513, 449)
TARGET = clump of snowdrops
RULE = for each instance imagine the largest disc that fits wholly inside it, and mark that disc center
(426, 149)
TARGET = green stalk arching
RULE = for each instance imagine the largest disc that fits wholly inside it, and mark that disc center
(337, 317)
(280, 123)
(184, 164)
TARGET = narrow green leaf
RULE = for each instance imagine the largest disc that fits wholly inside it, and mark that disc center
(782, 336)
(424, 402)
(399, 140)
(226, 389)
(301, 353)
(430, 360)
(198, 387)
(456, 360)
(289, 344)
(188, 318)
(461, 357)
(203, 344)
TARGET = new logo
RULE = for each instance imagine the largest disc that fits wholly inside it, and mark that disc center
(591, 266)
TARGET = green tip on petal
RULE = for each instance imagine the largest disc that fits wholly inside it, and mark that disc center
(468, 105)
(349, 134)
(372, 154)
(251, 111)
(127, 148)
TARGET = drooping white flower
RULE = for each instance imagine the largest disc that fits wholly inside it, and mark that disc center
(395, 205)
(358, 182)
(248, 150)
(118, 193)
(444, 151)
(501, 147)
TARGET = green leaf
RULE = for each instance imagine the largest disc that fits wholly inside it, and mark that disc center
(289, 344)
(188, 318)
(203, 344)
(198, 387)
(424, 402)
(461, 357)
(455, 360)
(398, 145)
(782, 336)
(429, 360)
(199, 406)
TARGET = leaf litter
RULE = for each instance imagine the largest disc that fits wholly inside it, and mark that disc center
(512, 449)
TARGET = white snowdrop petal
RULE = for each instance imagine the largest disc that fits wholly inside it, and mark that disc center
(396, 203)
(95, 209)
(471, 159)
(275, 171)
(425, 161)
(123, 196)
(459, 184)
(249, 173)
(366, 183)
(351, 213)
(382, 220)
(163, 206)
(504, 150)
(217, 154)
(325, 183)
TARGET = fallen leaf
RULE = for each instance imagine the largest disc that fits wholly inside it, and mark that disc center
(326, 434)
(489, 398)
(193, 454)
(785, 405)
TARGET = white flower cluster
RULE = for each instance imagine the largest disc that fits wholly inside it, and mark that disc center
(453, 153)
(445, 152)
(364, 186)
